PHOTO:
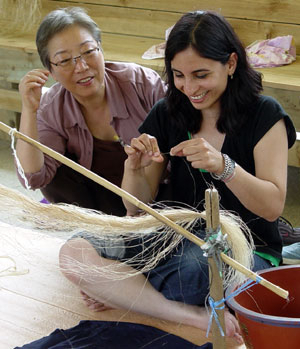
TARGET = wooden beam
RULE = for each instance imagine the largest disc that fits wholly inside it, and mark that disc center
(286, 77)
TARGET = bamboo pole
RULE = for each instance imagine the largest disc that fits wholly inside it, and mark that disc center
(216, 280)
(125, 195)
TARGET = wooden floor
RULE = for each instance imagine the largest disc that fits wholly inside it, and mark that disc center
(36, 303)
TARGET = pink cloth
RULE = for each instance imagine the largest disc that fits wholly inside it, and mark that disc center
(132, 90)
(272, 52)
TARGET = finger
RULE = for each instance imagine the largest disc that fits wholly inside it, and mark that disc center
(138, 144)
(176, 152)
(157, 158)
(239, 339)
(129, 150)
(155, 148)
(34, 84)
(42, 79)
(144, 144)
(36, 78)
(41, 72)
(178, 149)
(150, 144)
(188, 147)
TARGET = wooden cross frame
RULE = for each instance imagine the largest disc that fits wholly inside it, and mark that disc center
(125, 195)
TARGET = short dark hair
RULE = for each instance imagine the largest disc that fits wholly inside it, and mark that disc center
(209, 34)
(58, 20)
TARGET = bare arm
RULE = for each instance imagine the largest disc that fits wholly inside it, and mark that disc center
(143, 170)
(30, 89)
(264, 194)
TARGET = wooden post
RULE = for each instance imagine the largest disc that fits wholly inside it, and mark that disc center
(216, 280)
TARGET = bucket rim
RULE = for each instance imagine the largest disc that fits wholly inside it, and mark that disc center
(281, 321)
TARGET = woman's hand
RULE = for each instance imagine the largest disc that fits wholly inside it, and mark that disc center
(30, 88)
(200, 154)
(142, 151)
(143, 170)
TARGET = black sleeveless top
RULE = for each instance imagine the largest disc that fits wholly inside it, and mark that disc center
(189, 184)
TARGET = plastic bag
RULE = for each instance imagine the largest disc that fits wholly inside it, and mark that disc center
(157, 51)
(272, 52)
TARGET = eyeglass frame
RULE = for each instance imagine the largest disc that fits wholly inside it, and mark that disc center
(74, 59)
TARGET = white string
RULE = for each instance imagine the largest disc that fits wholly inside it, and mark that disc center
(12, 270)
(19, 166)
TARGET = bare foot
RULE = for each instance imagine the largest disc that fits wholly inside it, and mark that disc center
(232, 328)
(93, 304)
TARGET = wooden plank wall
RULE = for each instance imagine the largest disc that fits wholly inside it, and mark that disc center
(253, 20)
(130, 27)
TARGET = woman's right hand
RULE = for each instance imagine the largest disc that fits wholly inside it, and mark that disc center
(142, 151)
(30, 88)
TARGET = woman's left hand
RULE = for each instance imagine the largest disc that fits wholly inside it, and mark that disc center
(200, 154)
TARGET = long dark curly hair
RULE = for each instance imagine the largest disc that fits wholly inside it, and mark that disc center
(212, 37)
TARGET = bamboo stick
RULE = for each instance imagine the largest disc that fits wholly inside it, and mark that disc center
(125, 195)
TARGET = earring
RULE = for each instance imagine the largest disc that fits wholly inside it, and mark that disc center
(231, 77)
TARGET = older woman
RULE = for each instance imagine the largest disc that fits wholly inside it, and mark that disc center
(89, 114)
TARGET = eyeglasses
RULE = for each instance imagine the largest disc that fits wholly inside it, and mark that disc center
(69, 63)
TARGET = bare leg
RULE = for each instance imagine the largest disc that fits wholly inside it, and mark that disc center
(134, 293)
